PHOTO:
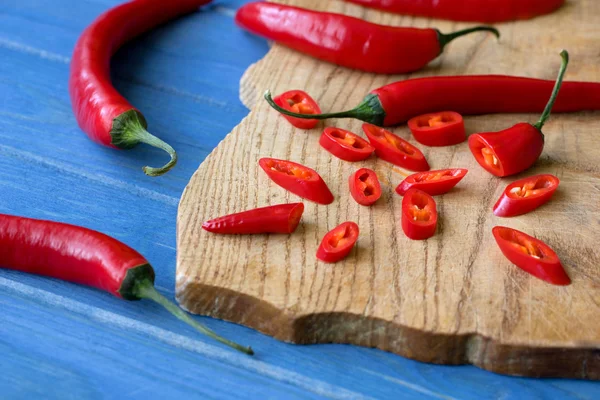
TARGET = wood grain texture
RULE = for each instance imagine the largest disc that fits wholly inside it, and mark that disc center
(453, 299)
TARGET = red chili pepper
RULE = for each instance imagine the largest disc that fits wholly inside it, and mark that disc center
(419, 215)
(338, 242)
(345, 145)
(106, 116)
(80, 255)
(434, 183)
(473, 10)
(298, 179)
(281, 218)
(299, 102)
(438, 129)
(348, 41)
(515, 149)
(467, 95)
(525, 195)
(394, 149)
(531, 255)
(364, 187)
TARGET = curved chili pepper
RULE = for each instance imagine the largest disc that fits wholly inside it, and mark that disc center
(365, 187)
(434, 183)
(348, 41)
(338, 242)
(298, 179)
(515, 149)
(467, 95)
(419, 215)
(531, 255)
(525, 195)
(281, 218)
(473, 10)
(300, 102)
(394, 149)
(106, 116)
(345, 145)
(80, 255)
(445, 128)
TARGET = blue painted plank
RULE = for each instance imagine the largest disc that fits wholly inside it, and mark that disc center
(61, 340)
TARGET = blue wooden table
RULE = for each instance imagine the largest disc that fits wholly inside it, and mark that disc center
(62, 341)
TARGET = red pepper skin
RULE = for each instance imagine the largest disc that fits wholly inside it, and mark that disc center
(434, 183)
(365, 187)
(281, 218)
(347, 41)
(438, 129)
(394, 149)
(338, 242)
(531, 255)
(488, 11)
(525, 195)
(300, 102)
(298, 179)
(419, 215)
(345, 145)
(106, 116)
(507, 152)
(87, 257)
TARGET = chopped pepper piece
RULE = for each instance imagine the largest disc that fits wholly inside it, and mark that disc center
(419, 215)
(433, 183)
(394, 149)
(299, 102)
(345, 145)
(364, 187)
(438, 129)
(525, 195)
(338, 242)
(281, 218)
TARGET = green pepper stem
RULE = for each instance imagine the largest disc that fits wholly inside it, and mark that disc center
(445, 38)
(142, 135)
(561, 73)
(145, 289)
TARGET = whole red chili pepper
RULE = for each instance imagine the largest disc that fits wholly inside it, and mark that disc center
(80, 255)
(348, 41)
(394, 149)
(281, 218)
(525, 195)
(345, 145)
(434, 183)
(106, 116)
(298, 179)
(364, 186)
(438, 129)
(300, 102)
(531, 255)
(419, 215)
(338, 242)
(467, 95)
(515, 149)
(467, 10)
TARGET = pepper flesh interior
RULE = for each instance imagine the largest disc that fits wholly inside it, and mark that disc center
(538, 186)
(291, 170)
(433, 176)
(299, 105)
(399, 144)
(419, 210)
(365, 186)
(343, 137)
(490, 157)
(522, 244)
(338, 239)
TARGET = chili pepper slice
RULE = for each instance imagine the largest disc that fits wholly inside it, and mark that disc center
(338, 242)
(394, 149)
(434, 183)
(280, 218)
(419, 215)
(525, 195)
(515, 149)
(364, 186)
(80, 255)
(298, 179)
(345, 145)
(531, 255)
(300, 102)
(445, 128)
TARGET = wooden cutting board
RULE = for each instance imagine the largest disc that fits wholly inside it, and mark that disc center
(452, 299)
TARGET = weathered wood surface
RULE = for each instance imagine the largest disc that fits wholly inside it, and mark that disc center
(452, 299)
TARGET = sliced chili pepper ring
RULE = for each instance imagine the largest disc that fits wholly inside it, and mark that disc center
(280, 218)
(345, 145)
(434, 183)
(525, 195)
(419, 215)
(300, 102)
(394, 149)
(445, 128)
(364, 186)
(531, 255)
(338, 242)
